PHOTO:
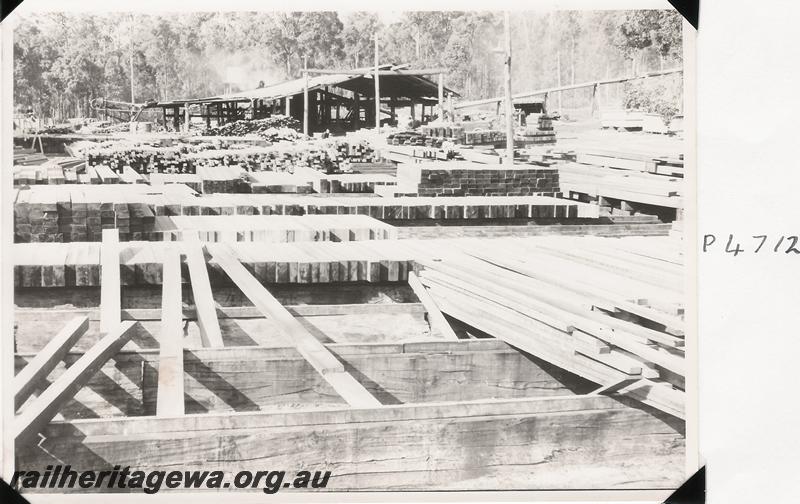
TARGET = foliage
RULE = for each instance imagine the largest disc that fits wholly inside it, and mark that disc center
(651, 99)
(62, 61)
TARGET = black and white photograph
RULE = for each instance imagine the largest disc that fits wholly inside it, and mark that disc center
(349, 251)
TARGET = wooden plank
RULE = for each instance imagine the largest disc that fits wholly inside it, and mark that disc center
(38, 414)
(307, 344)
(201, 291)
(170, 359)
(26, 381)
(659, 395)
(110, 286)
(407, 446)
(435, 317)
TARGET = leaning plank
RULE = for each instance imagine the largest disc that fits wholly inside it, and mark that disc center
(309, 346)
(210, 333)
(110, 293)
(39, 413)
(435, 317)
(659, 395)
(170, 358)
(26, 381)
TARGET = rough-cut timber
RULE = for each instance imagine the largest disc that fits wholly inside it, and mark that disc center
(31, 376)
(464, 178)
(580, 442)
(170, 359)
(307, 344)
(201, 291)
(36, 415)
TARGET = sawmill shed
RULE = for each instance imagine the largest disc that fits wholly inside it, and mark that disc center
(337, 102)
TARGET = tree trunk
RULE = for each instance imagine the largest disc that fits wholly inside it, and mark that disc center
(572, 61)
(558, 74)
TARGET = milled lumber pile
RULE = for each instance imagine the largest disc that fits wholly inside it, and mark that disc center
(323, 155)
(462, 178)
(78, 264)
(278, 127)
(391, 208)
(80, 212)
(220, 179)
(141, 157)
(416, 154)
(623, 185)
(538, 131)
(274, 228)
(347, 182)
(669, 165)
(28, 158)
(588, 306)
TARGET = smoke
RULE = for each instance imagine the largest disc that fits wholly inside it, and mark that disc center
(245, 69)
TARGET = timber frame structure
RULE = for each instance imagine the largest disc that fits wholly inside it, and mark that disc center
(163, 370)
(338, 100)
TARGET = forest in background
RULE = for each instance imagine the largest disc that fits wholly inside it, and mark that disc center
(62, 61)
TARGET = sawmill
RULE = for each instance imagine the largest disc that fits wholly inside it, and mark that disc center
(295, 276)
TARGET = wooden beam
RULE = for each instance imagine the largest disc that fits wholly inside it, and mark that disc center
(210, 333)
(441, 97)
(305, 96)
(377, 89)
(40, 412)
(307, 344)
(26, 381)
(486, 101)
(382, 71)
(435, 317)
(110, 285)
(170, 358)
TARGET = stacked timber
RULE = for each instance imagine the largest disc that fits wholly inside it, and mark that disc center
(220, 179)
(434, 135)
(539, 130)
(603, 309)
(80, 213)
(459, 178)
(28, 157)
(669, 165)
(78, 264)
(85, 210)
(278, 127)
(623, 185)
(141, 157)
(272, 228)
(415, 154)
(485, 137)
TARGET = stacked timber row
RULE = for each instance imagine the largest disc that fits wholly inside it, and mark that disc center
(78, 213)
(462, 178)
(272, 228)
(626, 187)
(327, 155)
(603, 309)
(669, 165)
(539, 130)
(78, 264)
